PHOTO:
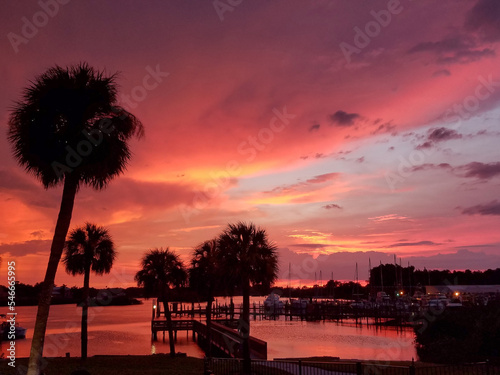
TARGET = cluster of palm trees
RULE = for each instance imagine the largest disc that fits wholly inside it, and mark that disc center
(242, 256)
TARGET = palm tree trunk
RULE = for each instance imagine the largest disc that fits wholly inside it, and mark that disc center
(62, 226)
(245, 327)
(170, 329)
(85, 311)
(231, 309)
(209, 325)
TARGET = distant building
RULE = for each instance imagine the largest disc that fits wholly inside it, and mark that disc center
(62, 292)
(114, 292)
(463, 289)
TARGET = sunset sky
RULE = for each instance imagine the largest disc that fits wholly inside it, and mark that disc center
(349, 130)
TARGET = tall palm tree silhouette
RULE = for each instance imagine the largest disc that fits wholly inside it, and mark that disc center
(67, 129)
(247, 257)
(204, 277)
(88, 248)
(161, 270)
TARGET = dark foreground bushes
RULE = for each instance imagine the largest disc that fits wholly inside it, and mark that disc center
(461, 335)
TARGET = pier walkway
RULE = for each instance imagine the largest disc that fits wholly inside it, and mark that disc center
(385, 315)
(225, 340)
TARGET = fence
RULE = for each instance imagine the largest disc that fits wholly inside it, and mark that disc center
(469, 369)
(224, 366)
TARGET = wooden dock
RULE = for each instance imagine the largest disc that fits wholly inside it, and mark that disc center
(386, 315)
(225, 340)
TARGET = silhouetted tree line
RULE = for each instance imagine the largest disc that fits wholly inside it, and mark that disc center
(395, 275)
(332, 289)
(27, 295)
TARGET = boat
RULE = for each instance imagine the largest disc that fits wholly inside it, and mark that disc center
(11, 332)
(273, 305)
(455, 302)
(298, 306)
(438, 301)
(382, 298)
(362, 304)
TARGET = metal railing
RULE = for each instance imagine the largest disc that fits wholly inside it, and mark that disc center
(469, 369)
(225, 366)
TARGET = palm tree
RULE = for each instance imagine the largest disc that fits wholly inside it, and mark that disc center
(88, 248)
(204, 277)
(248, 258)
(161, 270)
(67, 129)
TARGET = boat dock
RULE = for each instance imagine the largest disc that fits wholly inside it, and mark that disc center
(381, 315)
(225, 340)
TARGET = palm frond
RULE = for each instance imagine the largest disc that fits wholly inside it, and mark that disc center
(160, 270)
(247, 255)
(89, 248)
(54, 127)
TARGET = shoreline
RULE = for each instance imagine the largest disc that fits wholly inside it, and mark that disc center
(155, 364)
(184, 356)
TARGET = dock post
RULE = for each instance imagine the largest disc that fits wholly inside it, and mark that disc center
(412, 367)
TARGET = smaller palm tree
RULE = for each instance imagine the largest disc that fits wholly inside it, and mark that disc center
(161, 270)
(88, 248)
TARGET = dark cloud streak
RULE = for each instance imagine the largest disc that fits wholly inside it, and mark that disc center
(341, 118)
(332, 205)
(420, 243)
(492, 208)
(482, 171)
(484, 18)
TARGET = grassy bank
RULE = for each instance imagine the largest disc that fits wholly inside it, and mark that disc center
(114, 365)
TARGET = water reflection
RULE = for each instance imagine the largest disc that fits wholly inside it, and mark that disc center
(116, 330)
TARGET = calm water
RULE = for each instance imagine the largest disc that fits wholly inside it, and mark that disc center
(127, 330)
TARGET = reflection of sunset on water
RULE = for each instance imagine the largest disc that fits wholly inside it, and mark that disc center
(115, 330)
(309, 339)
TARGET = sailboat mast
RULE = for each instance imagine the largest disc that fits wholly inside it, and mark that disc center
(381, 276)
(409, 277)
(289, 280)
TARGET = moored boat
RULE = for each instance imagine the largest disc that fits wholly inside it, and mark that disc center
(11, 331)
(273, 305)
